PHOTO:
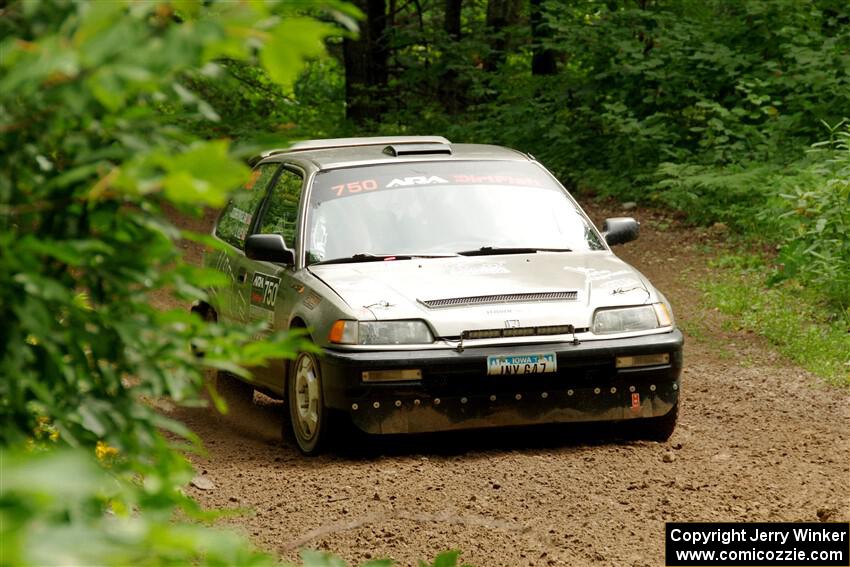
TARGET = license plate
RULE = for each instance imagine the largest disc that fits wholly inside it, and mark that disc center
(504, 365)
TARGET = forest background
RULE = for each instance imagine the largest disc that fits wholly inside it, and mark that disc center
(731, 114)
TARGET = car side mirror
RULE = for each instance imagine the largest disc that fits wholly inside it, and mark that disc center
(619, 230)
(268, 248)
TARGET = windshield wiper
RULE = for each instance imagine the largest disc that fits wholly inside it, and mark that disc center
(365, 257)
(496, 250)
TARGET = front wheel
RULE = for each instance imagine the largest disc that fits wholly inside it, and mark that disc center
(307, 412)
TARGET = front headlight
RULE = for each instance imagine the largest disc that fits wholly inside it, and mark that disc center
(380, 333)
(628, 319)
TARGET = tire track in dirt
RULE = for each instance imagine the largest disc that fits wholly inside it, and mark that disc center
(758, 440)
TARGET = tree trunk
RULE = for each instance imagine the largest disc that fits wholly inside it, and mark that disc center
(448, 88)
(366, 64)
(500, 15)
(543, 59)
(452, 21)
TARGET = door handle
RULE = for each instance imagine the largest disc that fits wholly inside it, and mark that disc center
(242, 275)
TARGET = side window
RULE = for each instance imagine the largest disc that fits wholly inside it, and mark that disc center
(236, 219)
(281, 216)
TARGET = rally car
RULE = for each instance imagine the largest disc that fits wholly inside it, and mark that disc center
(448, 286)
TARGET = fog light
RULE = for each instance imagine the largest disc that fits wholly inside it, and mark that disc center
(643, 360)
(392, 375)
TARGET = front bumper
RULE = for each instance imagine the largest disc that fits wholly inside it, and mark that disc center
(455, 391)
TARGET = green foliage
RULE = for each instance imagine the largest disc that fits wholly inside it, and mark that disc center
(83, 238)
(803, 208)
(788, 314)
(445, 559)
(61, 506)
(734, 194)
(91, 100)
(816, 224)
(710, 82)
(639, 84)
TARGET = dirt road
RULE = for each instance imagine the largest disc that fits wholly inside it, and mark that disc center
(758, 440)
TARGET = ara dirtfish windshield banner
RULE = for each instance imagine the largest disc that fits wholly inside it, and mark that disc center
(353, 181)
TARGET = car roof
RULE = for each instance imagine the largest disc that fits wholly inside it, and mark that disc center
(336, 153)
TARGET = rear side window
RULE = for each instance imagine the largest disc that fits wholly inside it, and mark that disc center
(236, 219)
(281, 216)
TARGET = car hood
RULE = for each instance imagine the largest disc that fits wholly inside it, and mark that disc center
(401, 289)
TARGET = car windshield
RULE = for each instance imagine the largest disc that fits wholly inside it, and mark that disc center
(437, 208)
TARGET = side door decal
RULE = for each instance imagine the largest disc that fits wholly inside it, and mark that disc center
(264, 288)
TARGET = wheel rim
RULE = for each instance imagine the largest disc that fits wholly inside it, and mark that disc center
(306, 396)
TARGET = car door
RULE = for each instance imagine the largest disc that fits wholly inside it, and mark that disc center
(273, 287)
(234, 224)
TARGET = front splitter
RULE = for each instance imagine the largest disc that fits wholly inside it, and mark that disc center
(416, 413)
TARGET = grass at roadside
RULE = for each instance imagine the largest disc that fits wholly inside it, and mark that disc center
(788, 315)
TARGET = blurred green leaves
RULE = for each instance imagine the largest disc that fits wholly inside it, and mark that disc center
(293, 41)
(199, 174)
(61, 507)
(93, 150)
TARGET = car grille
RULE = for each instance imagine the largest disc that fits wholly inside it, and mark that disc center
(509, 332)
(501, 298)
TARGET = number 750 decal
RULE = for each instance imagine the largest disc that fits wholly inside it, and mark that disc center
(264, 290)
(355, 187)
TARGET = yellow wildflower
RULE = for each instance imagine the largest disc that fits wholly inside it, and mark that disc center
(104, 452)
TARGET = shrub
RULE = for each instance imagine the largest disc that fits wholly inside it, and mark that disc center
(91, 152)
(816, 223)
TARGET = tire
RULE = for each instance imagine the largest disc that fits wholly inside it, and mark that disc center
(238, 395)
(658, 428)
(308, 416)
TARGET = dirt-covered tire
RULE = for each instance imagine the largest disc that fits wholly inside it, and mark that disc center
(657, 428)
(308, 416)
(238, 395)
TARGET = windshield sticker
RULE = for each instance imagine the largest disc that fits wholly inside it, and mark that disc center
(264, 290)
(240, 215)
(355, 187)
(366, 185)
(417, 180)
(498, 180)
(346, 182)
